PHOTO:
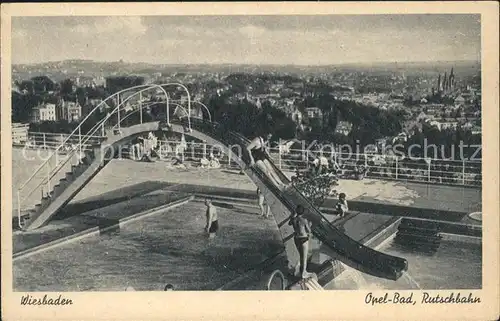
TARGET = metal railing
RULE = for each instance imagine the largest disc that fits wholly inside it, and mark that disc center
(437, 171)
(80, 143)
(431, 170)
(467, 173)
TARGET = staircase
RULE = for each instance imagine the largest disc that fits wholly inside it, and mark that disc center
(422, 236)
(58, 186)
(87, 168)
(66, 188)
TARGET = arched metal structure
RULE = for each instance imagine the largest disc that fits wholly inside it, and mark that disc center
(174, 102)
(206, 109)
(189, 100)
(52, 171)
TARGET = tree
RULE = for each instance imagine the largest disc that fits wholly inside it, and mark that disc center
(42, 84)
(115, 84)
(22, 106)
(26, 85)
(66, 87)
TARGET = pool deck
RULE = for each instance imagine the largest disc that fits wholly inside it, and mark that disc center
(125, 187)
(124, 173)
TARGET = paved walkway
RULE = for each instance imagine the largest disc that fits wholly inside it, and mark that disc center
(126, 173)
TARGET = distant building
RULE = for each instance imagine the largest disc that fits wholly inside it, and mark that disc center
(19, 133)
(314, 112)
(476, 130)
(69, 111)
(434, 123)
(343, 128)
(446, 84)
(459, 101)
(73, 112)
(84, 81)
(44, 112)
(401, 137)
(296, 116)
(449, 125)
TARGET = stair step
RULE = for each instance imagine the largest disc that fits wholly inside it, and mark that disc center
(417, 231)
(412, 238)
(423, 225)
(416, 241)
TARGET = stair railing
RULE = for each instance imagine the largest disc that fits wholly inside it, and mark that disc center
(76, 131)
(100, 125)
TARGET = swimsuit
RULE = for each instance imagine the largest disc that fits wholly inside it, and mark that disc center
(214, 227)
(259, 153)
(301, 234)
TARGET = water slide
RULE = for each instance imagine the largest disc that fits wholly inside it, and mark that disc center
(282, 203)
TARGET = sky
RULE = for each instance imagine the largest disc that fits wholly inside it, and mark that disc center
(299, 40)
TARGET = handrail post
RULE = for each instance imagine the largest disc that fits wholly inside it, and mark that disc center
(140, 111)
(429, 170)
(80, 143)
(463, 172)
(168, 110)
(44, 143)
(396, 167)
(279, 157)
(103, 132)
(189, 112)
(19, 208)
(140, 105)
(119, 120)
(48, 178)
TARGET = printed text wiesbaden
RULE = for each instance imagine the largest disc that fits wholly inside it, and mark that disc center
(45, 300)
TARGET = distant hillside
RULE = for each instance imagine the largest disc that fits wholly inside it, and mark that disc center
(89, 66)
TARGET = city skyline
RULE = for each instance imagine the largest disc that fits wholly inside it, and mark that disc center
(271, 40)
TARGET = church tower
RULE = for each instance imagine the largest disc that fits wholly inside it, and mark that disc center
(452, 80)
(445, 83)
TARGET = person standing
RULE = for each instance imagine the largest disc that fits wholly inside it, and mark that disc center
(262, 204)
(212, 221)
(302, 231)
(258, 154)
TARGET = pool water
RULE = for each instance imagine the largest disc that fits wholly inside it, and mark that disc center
(455, 265)
(147, 254)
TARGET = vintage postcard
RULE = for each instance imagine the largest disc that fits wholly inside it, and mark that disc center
(244, 155)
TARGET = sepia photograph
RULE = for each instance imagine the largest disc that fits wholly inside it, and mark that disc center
(255, 152)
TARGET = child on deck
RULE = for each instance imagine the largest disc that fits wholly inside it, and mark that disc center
(212, 226)
(264, 214)
(342, 208)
